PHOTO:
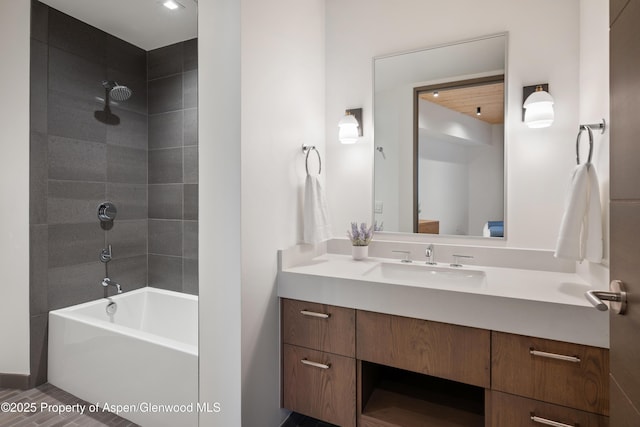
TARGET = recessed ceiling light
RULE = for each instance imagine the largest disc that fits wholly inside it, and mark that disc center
(435, 94)
(478, 111)
(171, 4)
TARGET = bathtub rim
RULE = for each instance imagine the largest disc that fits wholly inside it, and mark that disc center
(71, 313)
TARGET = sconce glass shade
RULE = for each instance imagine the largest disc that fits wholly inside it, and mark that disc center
(538, 109)
(348, 133)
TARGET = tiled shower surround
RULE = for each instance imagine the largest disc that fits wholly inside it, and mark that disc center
(146, 165)
(173, 167)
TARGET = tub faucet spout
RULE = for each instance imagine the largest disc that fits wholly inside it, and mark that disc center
(106, 282)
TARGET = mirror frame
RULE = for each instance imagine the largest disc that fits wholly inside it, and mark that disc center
(451, 83)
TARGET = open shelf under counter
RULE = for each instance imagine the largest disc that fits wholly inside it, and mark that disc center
(393, 397)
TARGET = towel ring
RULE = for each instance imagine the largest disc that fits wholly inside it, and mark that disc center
(308, 149)
(583, 127)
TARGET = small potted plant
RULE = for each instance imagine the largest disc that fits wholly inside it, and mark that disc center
(360, 238)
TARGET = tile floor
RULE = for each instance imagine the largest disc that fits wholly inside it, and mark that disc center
(47, 394)
(297, 420)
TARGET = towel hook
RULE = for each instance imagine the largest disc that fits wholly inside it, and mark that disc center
(588, 129)
(308, 149)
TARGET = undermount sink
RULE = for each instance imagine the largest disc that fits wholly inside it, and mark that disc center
(425, 275)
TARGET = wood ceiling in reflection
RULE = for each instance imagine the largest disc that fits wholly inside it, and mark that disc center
(466, 100)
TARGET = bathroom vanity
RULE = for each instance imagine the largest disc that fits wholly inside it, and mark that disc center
(368, 344)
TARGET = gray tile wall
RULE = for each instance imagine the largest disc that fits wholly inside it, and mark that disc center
(38, 183)
(173, 167)
(78, 162)
(147, 165)
(87, 159)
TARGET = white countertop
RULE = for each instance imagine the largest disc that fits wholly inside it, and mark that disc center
(537, 303)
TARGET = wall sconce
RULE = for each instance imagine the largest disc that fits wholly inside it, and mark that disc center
(538, 106)
(349, 126)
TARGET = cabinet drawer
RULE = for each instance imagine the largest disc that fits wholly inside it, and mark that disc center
(514, 411)
(448, 351)
(530, 367)
(318, 326)
(327, 393)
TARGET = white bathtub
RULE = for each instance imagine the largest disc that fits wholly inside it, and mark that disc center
(145, 354)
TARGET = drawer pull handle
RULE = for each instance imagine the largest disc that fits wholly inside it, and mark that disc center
(314, 314)
(315, 364)
(547, 422)
(573, 359)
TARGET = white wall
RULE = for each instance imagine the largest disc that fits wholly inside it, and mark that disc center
(486, 182)
(396, 107)
(445, 121)
(460, 172)
(14, 187)
(538, 161)
(443, 191)
(282, 108)
(594, 93)
(220, 318)
(451, 147)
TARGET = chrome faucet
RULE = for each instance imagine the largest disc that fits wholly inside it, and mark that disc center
(456, 260)
(106, 282)
(407, 256)
(430, 254)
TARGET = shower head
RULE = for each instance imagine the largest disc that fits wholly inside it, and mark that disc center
(116, 91)
(120, 93)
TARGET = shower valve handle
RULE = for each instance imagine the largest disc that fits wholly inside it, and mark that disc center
(105, 254)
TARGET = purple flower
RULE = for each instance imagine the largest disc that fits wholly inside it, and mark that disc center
(360, 236)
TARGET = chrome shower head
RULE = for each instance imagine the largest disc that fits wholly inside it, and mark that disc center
(116, 91)
(120, 93)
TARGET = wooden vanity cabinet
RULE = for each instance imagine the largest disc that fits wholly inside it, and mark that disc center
(352, 367)
(508, 410)
(318, 361)
(324, 389)
(457, 353)
(420, 373)
(558, 372)
(552, 380)
(319, 327)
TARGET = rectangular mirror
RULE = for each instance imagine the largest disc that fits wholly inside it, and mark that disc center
(439, 139)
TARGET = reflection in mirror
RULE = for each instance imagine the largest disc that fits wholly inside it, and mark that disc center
(439, 139)
(459, 157)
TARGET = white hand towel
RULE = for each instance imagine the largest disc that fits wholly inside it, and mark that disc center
(316, 217)
(581, 227)
(593, 246)
(568, 244)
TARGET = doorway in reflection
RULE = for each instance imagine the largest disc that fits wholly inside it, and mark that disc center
(459, 157)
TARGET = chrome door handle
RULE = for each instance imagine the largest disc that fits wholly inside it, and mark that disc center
(616, 295)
